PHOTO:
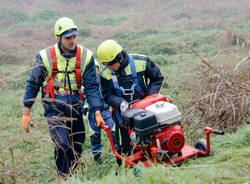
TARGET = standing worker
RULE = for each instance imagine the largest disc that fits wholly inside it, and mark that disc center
(61, 70)
(128, 78)
(95, 132)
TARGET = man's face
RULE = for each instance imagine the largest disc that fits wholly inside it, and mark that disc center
(115, 67)
(69, 43)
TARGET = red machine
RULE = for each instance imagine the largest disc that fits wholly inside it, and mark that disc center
(157, 134)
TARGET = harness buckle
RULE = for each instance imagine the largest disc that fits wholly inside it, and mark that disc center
(129, 92)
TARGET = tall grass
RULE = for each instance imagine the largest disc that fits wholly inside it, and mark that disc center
(218, 31)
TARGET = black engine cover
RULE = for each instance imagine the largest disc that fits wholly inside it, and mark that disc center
(144, 124)
(128, 116)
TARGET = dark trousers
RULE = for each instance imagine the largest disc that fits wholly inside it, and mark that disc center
(122, 139)
(67, 131)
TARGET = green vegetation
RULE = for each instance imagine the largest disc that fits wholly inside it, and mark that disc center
(103, 20)
(163, 30)
(45, 14)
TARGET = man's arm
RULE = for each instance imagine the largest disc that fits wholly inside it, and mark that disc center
(109, 94)
(91, 87)
(34, 82)
(155, 77)
(36, 78)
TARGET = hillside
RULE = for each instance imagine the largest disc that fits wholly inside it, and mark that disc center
(201, 48)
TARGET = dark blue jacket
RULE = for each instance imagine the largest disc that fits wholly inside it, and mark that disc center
(104, 105)
(151, 74)
(39, 74)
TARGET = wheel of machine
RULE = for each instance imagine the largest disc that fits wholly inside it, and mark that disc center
(201, 144)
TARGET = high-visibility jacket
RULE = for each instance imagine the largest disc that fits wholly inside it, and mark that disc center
(43, 70)
(65, 66)
(148, 74)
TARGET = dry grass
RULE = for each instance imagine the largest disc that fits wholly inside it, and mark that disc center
(221, 97)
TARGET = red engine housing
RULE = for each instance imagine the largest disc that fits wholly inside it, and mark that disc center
(171, 139)
(149, 100)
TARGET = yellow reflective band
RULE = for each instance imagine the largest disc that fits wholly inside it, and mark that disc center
(61, 65)
(120, 136)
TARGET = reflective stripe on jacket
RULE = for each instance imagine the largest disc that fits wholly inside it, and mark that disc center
(39, 75)
(148, 73)
(62, 65)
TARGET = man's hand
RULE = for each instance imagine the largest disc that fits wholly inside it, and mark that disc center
(124, 106)
(26, 119)
(99, 119)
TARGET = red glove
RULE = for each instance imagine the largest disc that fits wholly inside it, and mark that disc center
(99, 119)
(26, 120)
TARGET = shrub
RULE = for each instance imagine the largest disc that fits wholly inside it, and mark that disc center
(163, 47)
(106, 20)
(220, 97)
(46, 14)
(161, 59)
(85, 32)
(12, 16)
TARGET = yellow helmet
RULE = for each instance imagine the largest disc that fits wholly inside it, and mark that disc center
(108, 50)
(65, 25)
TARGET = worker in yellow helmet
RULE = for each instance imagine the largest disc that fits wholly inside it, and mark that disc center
(127, 78)
(61, 70)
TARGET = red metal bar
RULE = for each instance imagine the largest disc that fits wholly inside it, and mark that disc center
(208, 131)
(127, 159)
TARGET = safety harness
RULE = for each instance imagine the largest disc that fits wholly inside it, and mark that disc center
(135, 86)
(50, 90)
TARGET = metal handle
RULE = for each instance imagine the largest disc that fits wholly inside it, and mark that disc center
(219, 132)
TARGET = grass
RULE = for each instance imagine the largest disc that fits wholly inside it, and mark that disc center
(158, 29)
(231, 152)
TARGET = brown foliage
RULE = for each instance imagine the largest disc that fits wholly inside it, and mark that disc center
(221, 97)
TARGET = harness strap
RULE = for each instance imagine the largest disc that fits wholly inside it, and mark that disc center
(50, 90)
(54, 72)
(137, 85)
(120, 89)
(77, 67)
(78, 72)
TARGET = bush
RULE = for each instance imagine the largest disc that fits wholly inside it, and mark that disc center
(161, 59)
(46, 14)
(163, 47)
(120, 35)
(84, 32)
(220, 98)
(106, 20)
(142, 33)
(12, 16)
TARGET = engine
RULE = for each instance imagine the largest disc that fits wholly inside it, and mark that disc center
(153, 122)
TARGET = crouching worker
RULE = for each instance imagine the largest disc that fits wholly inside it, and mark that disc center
(95, 137)
(127, 78)
(61, 70)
